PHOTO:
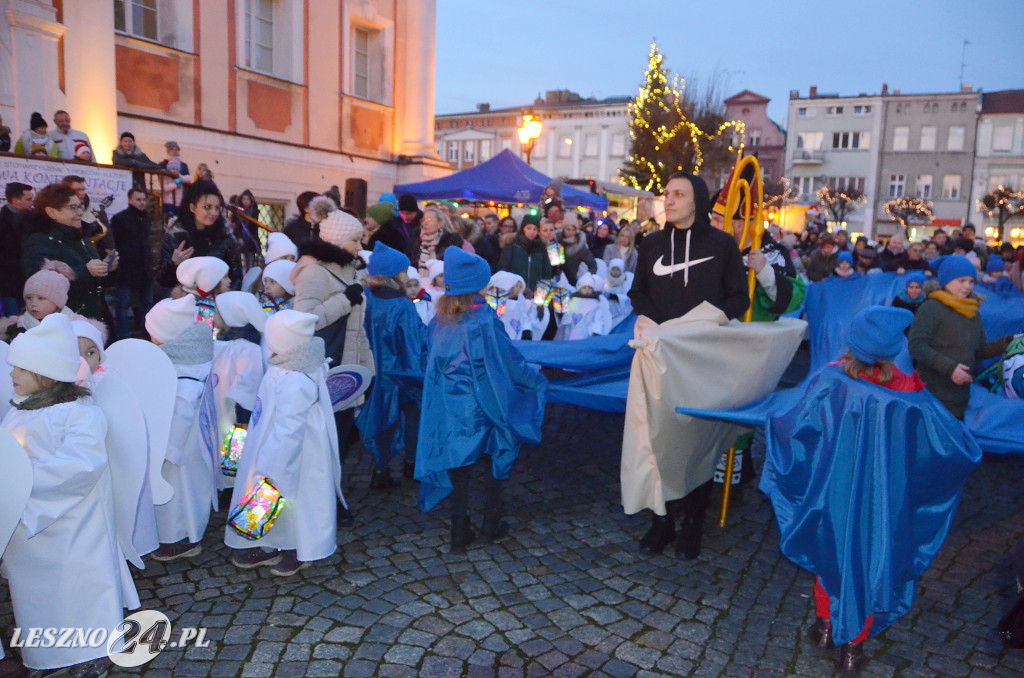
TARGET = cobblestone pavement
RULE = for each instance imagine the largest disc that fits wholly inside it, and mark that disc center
(568, 594)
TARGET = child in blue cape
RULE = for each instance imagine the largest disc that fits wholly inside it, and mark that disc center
(912, 296)
(398, 339)
(995, 276)
(479, 397)
(864, 473)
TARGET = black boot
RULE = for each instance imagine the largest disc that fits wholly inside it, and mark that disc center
(462, 535)
(851, 658)
(820, 634)
(493, 529)
(690, 533)
(409, 469)
(661, 534)
(345, 516)
(381, 479)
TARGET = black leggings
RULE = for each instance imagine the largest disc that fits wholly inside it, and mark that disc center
(693, 506)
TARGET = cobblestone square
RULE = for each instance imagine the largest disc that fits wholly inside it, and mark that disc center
(568, 594)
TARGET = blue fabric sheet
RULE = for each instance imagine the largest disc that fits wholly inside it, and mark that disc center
(864, 482)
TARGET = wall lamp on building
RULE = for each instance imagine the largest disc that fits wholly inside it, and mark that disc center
(529, 132)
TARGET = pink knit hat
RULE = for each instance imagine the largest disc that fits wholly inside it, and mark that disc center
(338, 227)
(49, 285)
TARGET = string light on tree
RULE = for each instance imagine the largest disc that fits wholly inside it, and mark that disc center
(906, 209)
(669, 132)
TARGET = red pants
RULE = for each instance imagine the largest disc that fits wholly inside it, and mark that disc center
(821, 608)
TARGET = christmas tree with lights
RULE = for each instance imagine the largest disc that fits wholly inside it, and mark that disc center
(667, 131)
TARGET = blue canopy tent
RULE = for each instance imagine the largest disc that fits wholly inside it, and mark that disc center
(504, 179)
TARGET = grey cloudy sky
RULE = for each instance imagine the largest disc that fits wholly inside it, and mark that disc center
(505, 52)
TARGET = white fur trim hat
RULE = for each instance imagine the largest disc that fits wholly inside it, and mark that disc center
(339, 226)
(280, 272)
(414, 274)
(287, 330)
(505, 280)
(170, 318)
(239, 309)
(201, 273)
(86, 330)
(279, 245)
(435, 267)
(49, 349)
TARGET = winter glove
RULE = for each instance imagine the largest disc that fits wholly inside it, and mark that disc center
(354, 294)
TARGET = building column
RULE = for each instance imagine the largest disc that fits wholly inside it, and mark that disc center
(552, 151)
(602, 172)
(90, 75)
(34, 76)
(577, 142)
(418, 33)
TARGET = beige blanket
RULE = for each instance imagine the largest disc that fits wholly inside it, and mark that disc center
(701, 360)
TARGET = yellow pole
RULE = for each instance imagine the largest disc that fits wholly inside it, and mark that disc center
(753, 227)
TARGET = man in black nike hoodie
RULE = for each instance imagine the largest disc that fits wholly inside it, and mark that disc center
(680, 266)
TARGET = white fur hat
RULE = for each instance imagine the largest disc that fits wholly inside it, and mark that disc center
(201, 273)
(280, 272)
(87, 330)
(338, 227)
(590, 280)
(505, 280)
(414, 274)
(279, 245)
(49, 349)
(239, 309)
(435, 267)
(287, 330)
(170, 318)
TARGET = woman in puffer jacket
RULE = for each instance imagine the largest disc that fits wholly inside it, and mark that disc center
(326, 285)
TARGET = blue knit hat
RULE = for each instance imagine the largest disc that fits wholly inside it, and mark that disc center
(876, 333)
(464, 273)
(389, 197)
(953, 266)
(995, 264)
(915, 276)
(387, 260)
(844, 256)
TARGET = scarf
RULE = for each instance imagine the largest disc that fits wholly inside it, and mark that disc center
(907, 299)
(966, 307)
(428, 247)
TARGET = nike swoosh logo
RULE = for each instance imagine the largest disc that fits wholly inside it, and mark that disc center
(661, 269)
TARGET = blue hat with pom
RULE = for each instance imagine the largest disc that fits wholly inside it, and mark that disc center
(953, 266)
(464, 273)
(876, 334)
(387, 260)
(915, 277)
(845, 256)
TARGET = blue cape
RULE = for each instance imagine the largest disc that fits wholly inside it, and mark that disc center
(865, 483)
(398, 339)
(479, 397)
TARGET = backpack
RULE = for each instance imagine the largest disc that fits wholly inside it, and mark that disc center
(1007, 374)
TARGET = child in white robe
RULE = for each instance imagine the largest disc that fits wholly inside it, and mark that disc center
(588, 314)
(293, 443)
(54, 583)
(237, 365)
(193, 454)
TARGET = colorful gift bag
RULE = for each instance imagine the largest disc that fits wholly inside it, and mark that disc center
(258, 511)
(556, 254)
(231, 450)
(497, 299)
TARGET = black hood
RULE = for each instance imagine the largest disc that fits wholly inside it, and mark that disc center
(701, 200)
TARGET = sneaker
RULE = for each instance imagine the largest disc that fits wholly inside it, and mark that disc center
(250, 558)
(182, 549)
(288, 565)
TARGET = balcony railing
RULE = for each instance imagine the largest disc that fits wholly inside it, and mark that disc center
(804, 157)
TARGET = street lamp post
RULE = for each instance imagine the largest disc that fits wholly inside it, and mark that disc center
(529, 132)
